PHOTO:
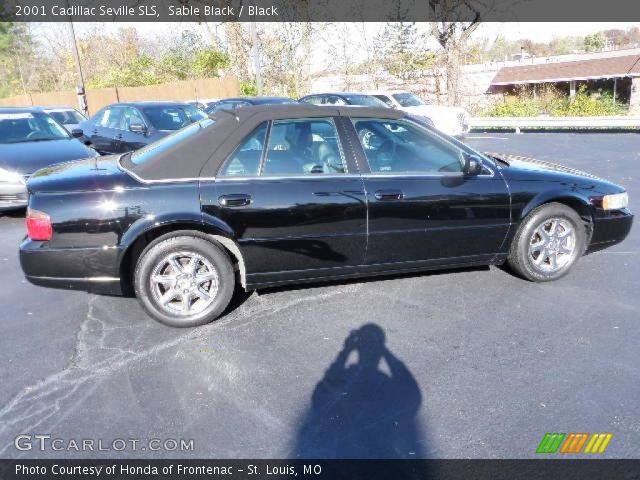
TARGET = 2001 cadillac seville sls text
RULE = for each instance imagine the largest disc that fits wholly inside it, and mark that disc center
(270, 195)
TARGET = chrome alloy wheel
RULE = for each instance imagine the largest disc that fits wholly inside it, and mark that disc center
(184, 283)
(552, 244)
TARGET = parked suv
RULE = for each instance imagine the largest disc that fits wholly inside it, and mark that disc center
(123, 127)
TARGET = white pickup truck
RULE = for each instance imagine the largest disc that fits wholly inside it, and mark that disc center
(450, 120)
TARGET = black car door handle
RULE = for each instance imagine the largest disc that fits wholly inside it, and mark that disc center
(235, 200)
(386, 195)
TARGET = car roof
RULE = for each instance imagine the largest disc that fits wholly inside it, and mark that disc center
(207, 149)
(338, 94)
(20, 110)
(301, 110)
(154, 103)
(54, 107)
(387, 92)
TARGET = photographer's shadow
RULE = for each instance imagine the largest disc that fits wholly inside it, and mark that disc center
(364, 407)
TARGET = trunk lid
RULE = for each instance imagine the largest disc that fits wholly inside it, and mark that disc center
(100, 173)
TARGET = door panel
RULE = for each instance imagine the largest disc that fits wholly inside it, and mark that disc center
(436, 218)
(297, 208)
(130, 141)
(421, 204)
(96, 133)
(293, 224)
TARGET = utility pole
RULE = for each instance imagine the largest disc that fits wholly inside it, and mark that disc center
(80, 89)
(255, 50)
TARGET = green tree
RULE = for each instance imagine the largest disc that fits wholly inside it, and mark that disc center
(139, 72)
(595, 42)
(402, 53)
(16, 54)
(248, 89)
(208, 63)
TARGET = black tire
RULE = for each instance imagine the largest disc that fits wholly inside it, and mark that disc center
(182, 243)
(520, 258)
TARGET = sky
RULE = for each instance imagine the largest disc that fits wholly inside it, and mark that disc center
(546, 31)
(536, 31)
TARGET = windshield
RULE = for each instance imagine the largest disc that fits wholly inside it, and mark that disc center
(156, 148)
(408, 99)
(173, 117)
(365, 101)
(66, 117)
(29, 127)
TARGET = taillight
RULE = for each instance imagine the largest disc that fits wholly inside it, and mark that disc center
(38, 225)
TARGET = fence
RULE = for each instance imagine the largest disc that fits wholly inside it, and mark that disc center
(517, 123)
(98, 98)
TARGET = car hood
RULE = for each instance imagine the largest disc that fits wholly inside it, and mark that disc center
(532, 169)
(100, 173)
(27, 157)
(519, 163)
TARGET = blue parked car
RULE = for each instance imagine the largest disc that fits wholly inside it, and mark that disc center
(123, 127)
(239, 102)
(30, 140)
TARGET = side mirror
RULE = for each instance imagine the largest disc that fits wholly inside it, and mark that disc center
(138, 128)
(472, 165)
(77, 133)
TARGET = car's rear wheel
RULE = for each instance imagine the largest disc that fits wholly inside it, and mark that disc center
(184, 281)
(548, 243)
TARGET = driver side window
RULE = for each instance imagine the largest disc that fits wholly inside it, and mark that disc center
(397, 147)
(131, 116)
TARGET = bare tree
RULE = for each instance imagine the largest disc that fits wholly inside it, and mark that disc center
(239, 44)
(286, 55)
(453, 36)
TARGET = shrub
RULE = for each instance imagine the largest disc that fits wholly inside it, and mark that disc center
(552, 102)
(248, 89)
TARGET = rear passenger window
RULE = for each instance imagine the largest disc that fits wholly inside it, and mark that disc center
(304, 147)
(245, 161)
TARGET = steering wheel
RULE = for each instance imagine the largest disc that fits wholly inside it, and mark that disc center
(31, 135)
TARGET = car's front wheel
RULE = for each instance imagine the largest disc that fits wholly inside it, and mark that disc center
(548, 243)
(184, 281)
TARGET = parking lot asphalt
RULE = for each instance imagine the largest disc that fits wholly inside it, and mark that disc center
(464, 364)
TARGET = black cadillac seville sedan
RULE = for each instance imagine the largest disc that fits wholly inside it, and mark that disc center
(264, 196)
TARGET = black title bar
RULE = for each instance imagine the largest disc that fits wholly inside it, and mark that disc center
(570, 469)
(318, 10)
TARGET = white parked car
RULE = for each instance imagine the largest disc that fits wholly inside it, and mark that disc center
(450, 120)
(203, 103)
(68, 117)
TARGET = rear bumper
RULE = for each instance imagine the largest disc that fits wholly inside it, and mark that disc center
(89, 269)
(610, 229)
(13, 196)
